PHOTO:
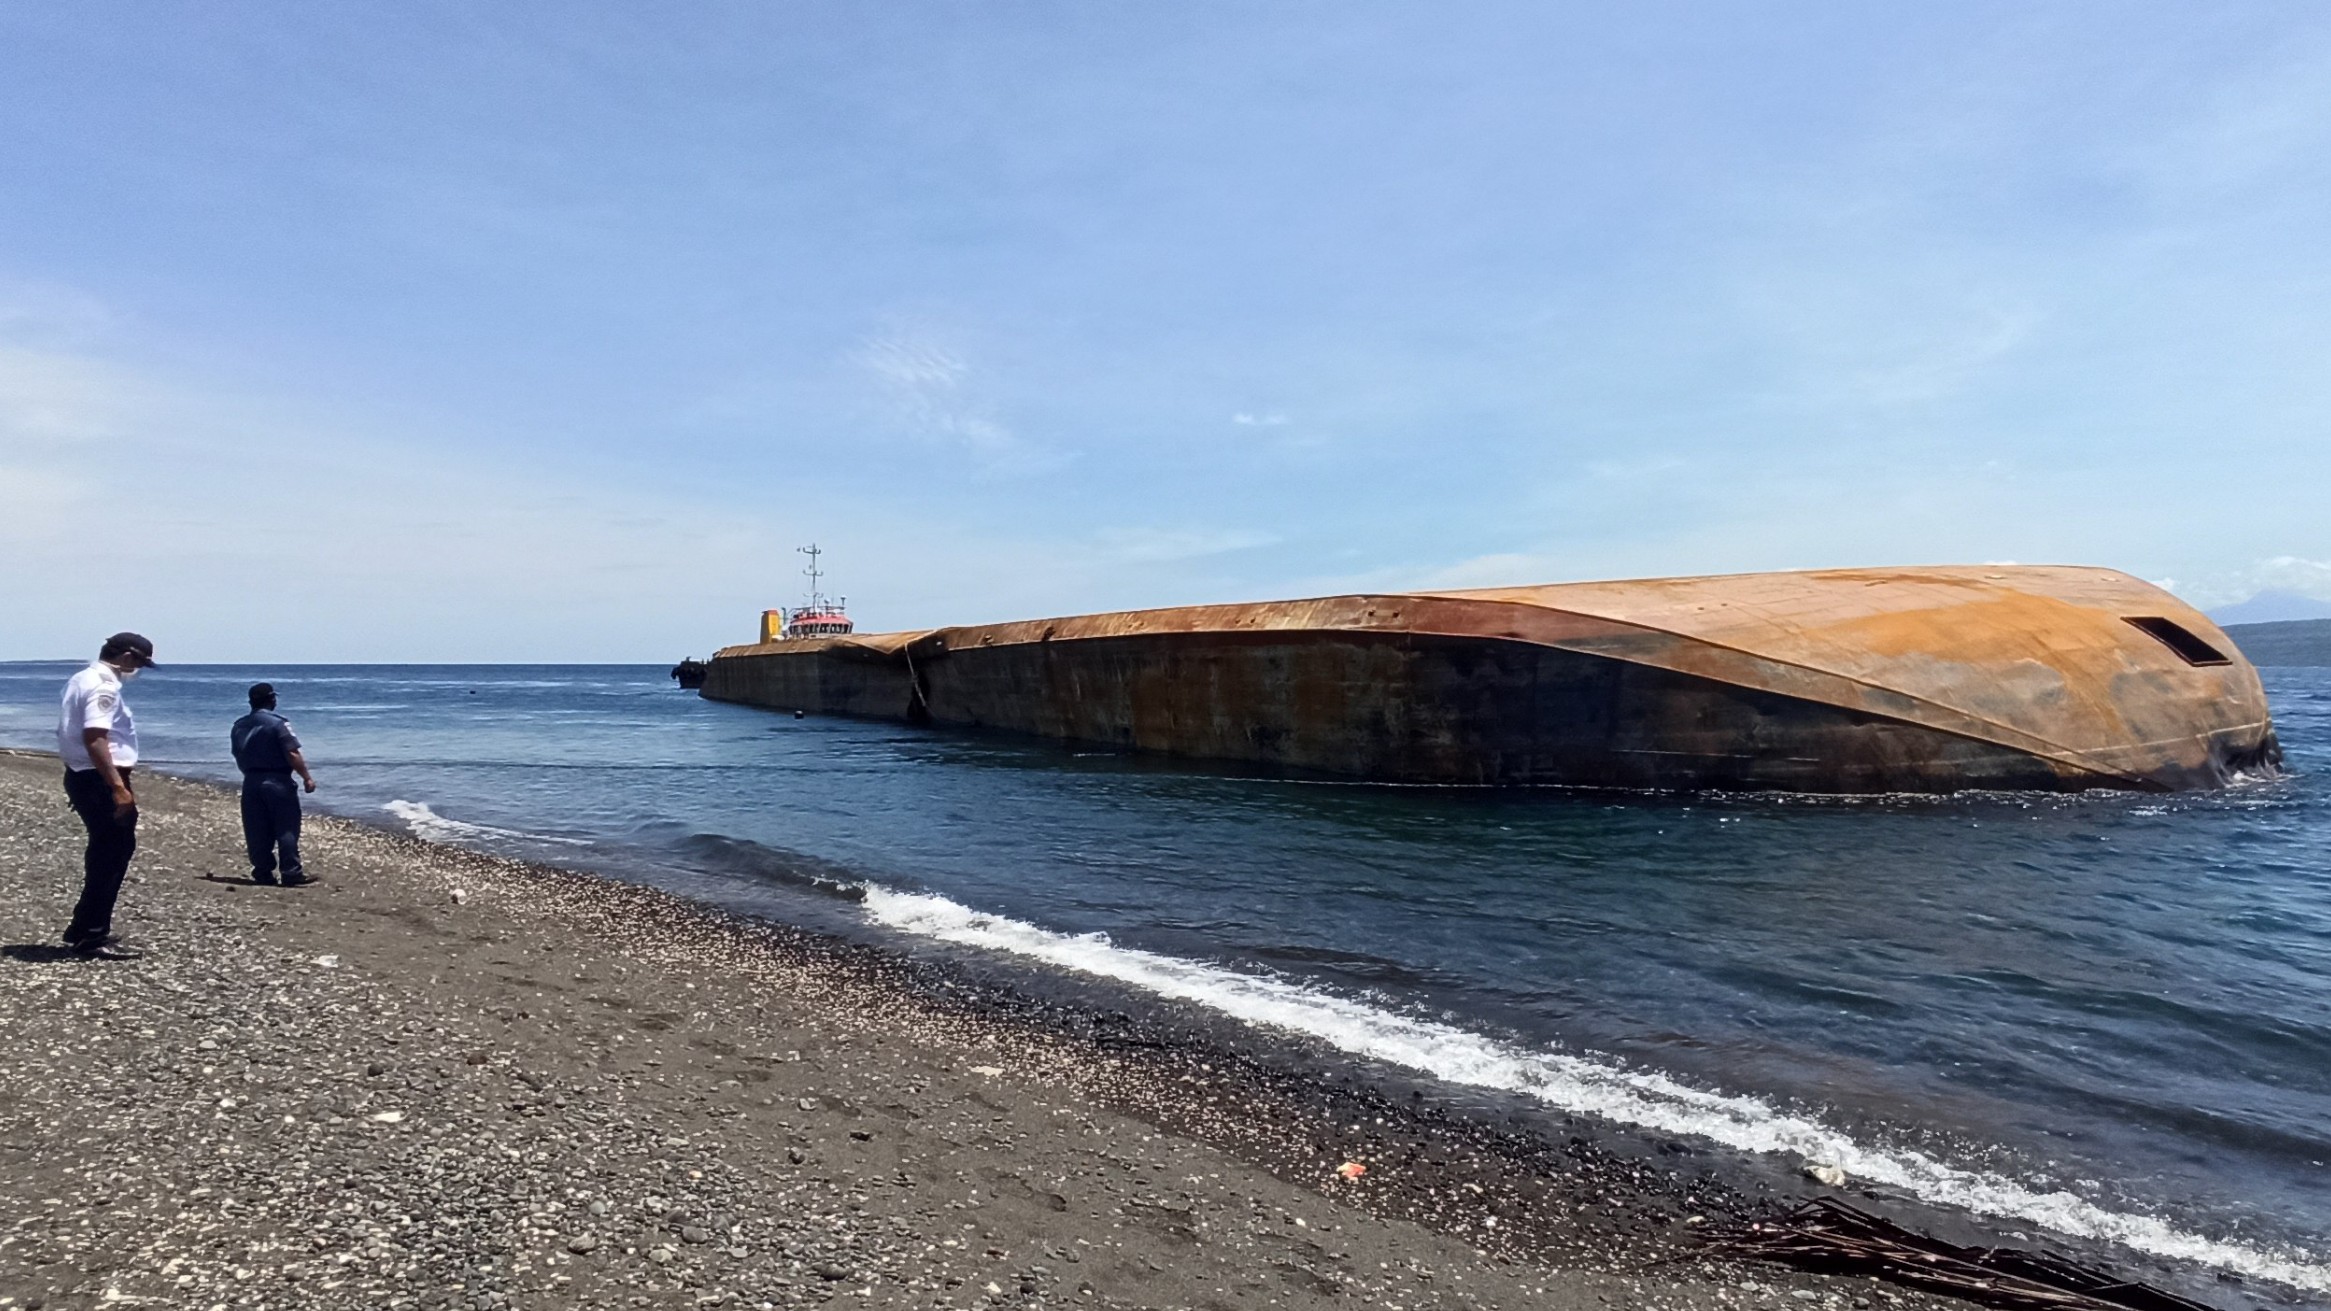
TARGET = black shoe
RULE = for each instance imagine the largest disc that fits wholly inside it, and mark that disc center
(109, 947)
(264, 880)
(298, 880)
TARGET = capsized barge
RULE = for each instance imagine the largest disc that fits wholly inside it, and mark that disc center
(1929, 679)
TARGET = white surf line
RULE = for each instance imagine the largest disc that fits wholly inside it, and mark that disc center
(427, 823)
(1576, 1084)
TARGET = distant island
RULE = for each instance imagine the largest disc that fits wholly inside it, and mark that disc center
(2291, 642)
(2271, 607)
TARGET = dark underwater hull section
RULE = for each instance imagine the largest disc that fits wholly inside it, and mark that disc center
(1397, 707)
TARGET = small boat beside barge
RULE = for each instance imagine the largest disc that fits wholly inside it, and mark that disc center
(1925, 679)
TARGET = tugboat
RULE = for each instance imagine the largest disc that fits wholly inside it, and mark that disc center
(820, 617)
(689, 673)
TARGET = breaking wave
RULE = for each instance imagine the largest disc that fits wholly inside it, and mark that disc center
(428, 824)
(1577, 1084)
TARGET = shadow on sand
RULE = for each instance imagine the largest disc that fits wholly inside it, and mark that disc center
(40, 953)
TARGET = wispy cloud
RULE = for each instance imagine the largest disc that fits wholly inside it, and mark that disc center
(1159, 545)
(379, 543)
(2247, 140)
(2290, 574)
(932, 391)
(56, 386)
(1946, 362)
(1863, 342)
(43, 314)
(50, 398)
(1643, 468)
(179, 497)
(1499, 569)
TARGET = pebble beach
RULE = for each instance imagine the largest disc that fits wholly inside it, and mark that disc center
(442, 1079)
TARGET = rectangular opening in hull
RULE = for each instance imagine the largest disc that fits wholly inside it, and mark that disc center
(2189, 648)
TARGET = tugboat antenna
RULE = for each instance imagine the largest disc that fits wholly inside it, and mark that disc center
(812, 552)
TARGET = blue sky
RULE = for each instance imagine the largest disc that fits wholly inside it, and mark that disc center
(547, 331)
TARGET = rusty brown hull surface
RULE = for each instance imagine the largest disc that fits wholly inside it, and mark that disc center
(1918, 680)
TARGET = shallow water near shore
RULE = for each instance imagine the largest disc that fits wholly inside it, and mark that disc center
(2106, 1015)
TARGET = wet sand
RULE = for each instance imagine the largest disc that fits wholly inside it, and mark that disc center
(440, 1079)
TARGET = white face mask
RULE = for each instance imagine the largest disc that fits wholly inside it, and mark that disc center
(128, 674)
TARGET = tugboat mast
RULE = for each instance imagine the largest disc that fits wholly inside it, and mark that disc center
(816, 602)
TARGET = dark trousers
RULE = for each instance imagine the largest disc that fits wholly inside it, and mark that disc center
(113, 839)
(271, 824)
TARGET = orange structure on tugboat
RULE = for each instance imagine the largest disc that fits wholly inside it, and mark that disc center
(1926, 679)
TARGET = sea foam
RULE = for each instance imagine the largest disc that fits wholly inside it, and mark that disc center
(428, 824)
(1578, 1084)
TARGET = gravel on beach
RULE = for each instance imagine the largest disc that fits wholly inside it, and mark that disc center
(443, 1079)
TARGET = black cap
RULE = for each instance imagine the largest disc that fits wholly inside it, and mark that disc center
(121, 644)
(262, 693)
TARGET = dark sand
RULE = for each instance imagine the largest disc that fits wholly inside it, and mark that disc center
(444, 1079)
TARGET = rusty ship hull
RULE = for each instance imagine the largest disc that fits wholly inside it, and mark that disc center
(1931, 679)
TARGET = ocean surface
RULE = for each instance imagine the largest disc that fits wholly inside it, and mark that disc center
(2107, 1016)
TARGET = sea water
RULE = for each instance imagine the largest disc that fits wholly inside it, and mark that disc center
(2101, 1015)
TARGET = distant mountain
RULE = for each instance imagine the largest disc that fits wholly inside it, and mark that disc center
(2291, 642)
(2272, 608)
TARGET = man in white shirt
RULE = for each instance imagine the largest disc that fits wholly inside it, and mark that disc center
(98, 739)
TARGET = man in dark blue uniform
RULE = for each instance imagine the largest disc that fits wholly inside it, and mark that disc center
(268, 755)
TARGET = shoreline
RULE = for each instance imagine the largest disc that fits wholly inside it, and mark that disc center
(551, 995)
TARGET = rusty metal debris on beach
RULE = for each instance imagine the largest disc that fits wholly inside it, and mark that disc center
(1829, 1235)
(1931, 679)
